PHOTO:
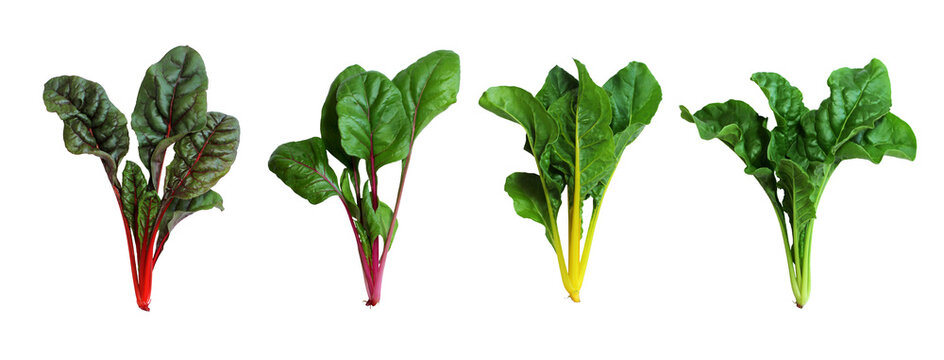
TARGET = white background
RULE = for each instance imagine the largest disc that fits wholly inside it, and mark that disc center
(688, 261)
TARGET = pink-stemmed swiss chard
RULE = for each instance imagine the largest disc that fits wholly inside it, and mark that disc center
(369, 117)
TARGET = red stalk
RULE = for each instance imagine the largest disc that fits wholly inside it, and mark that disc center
(134, 274)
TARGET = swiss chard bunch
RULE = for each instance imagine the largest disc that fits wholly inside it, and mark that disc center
(800, 154)
(576, 132)
(171, 110)
(368, 117)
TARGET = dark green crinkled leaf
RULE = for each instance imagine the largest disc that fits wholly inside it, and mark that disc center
(428, 87)
(737, 125)
(371, 119)
(171, 103)
(133, 186)
(857, 99)
(148, 208)
(798, 193)
(526, 191)
(178, 209)
(303, 166)
(329, 118)
(203, 157)
(785, 100)
(557, 83)
(585, 150)
(635, 96)
(92, 124)
(891, 136)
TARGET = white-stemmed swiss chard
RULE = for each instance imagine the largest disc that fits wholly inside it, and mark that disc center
(801, 153)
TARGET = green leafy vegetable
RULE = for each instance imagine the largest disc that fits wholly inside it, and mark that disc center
(368, 117)
(170, 111)
(803, 150)
(576, 131)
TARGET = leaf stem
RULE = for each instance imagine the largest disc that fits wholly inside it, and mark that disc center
(786, 246)
(134, 267)
(585, 258)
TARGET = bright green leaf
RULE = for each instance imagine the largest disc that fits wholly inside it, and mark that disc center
(303, 166)
(428, 87)
(371, 119)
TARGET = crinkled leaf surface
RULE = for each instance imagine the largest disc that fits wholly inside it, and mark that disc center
(371, 119)
(428, 87)
(92, 124)
(584, 152)
(737, 125)
(148, 208)
(785, 100)
(557, 83)
(891, 136)
(203, 157)
(798, 193)
(857, 99)
(133, 187)
(171, 103)
(303, 166)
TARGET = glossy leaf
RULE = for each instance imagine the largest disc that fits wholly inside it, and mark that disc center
(584, 152)
(303, 166)
(171, 103)
(557, 83)
(516, 104)
(738, 126)
(527, 192)
(891, 136)
(428, 87)
(785, 100)
(330, 133)
(92, 124)
(857, 99)
(203, 157)
(371, 119)
(635, 96)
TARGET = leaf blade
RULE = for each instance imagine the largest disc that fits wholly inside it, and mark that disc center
(91, 123)
(171, 103)
(202, 158)
(428, 87)
(303, 167)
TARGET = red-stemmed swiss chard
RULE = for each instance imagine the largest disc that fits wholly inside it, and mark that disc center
(170, 110)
